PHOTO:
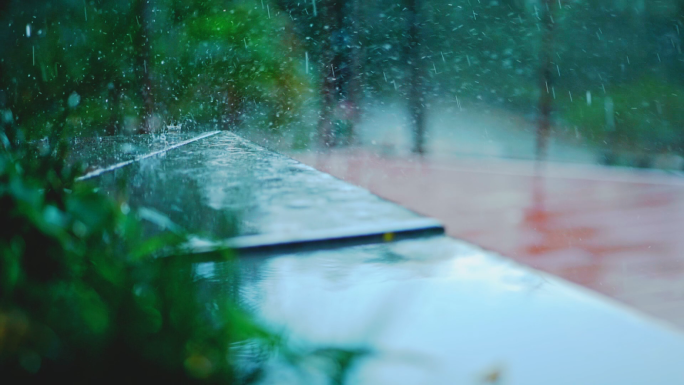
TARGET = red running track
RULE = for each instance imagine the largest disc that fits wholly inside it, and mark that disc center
(617, 231)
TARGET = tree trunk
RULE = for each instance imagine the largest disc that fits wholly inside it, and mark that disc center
(143, 15)
(545, 80)
(416, 100)
(231, 117)
(340, 55)
(4, 103)
(114, 106)
(680, 23)
(353, 96)
(328, 15)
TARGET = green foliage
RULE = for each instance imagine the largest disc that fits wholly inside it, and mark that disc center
(57, 49)
(137, 65)
(85, 298)
(644, 116)
(218, 60)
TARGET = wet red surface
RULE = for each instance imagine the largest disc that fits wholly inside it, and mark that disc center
(617, 231)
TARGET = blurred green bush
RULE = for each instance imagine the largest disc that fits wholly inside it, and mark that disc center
(643, 117)
(142, 65)
(85, 298)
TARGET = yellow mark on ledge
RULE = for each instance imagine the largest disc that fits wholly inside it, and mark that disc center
(388, 237)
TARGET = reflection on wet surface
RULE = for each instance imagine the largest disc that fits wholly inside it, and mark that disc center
(440, 311)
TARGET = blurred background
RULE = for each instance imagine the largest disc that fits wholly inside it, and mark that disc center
(576, 80)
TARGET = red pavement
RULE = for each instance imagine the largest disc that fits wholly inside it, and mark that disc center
(617, 231)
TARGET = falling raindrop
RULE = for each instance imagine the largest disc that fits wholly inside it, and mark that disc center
(74, 99)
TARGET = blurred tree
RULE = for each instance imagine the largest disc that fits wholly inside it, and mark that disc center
(226, 63)
(416, 92)
(546, 83)
(340, 58)
(142, 10)
(218, 62)
(206, 62)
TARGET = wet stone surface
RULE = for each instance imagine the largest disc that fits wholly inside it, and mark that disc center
(225, 187)
(441, 311)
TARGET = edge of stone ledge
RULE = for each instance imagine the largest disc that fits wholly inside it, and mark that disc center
(323, 239)
(103, 170)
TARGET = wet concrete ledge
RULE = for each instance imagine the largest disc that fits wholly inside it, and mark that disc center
(246, 197)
